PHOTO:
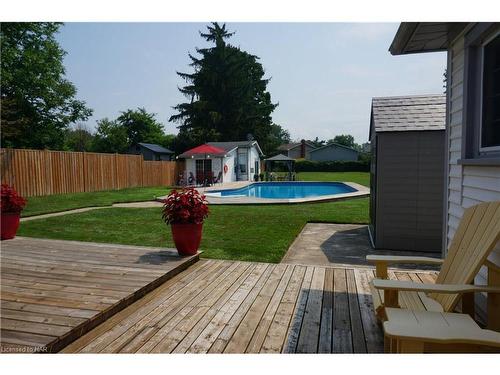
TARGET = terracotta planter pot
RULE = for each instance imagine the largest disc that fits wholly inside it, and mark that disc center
(10, 224)
(187, 238)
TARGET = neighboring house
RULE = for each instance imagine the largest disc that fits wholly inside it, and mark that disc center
(333, 152)
(298, 150)
(472, 170)
(240, 161)
(151, 151)
(407, 135)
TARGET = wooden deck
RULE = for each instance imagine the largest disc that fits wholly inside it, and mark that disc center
(241, 307)
(52, 292)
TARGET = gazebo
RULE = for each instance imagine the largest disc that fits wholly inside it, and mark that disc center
(282, 159)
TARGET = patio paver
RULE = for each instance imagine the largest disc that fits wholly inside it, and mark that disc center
(54, 291)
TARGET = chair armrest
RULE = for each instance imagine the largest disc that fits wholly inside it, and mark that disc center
(395, 285)
(389, 259)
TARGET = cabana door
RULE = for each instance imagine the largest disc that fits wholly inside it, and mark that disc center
(242, 166)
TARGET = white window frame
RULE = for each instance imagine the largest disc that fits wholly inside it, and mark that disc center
(491, 148)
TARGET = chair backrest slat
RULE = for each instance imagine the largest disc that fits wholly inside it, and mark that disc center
(475, 238)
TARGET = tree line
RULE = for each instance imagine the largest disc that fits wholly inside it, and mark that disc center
(227, 99)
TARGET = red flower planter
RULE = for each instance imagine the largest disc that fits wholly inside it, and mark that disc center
(9, 225)
(187, 238)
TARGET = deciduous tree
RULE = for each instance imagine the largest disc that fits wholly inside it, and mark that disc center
(37, 101)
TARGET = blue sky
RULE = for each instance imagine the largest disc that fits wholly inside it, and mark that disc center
(323, 75)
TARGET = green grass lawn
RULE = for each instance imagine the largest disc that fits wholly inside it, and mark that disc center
(362, 178)
(251, 233)
(63, 202)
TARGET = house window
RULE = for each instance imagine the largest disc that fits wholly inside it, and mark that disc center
(481, 107)
(490, 116)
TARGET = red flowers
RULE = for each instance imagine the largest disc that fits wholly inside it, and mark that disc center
(186, 206)
(11, 201)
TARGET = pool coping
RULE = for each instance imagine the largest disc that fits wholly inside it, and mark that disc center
(361, 191)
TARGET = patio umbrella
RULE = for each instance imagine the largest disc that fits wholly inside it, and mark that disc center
(205, 150)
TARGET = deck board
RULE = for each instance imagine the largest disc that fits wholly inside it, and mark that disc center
(53, 291)
(97, 298)
(240, 307)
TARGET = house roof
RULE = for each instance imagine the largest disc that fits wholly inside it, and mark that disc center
(290, 146)
(229, 146)
(408, 113)
(156, 148)
(280, 157)
(416, 37)
(333, 144)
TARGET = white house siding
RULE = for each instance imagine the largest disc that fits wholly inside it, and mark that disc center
(253, 157)
(217, 166)
(230, 162)
(190, 168)
(467, 185)
(230, 176)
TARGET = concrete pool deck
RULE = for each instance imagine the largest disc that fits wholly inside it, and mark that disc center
(361, 191)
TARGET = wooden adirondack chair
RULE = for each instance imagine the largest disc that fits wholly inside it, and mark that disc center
(427, 331)
(475, 238)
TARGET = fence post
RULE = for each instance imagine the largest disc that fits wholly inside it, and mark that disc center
(116, 185)
(47, 186)
(84, 171)
(142, 172)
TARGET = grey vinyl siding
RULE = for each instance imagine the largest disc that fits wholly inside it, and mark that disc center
(294, 153)
(148, 154)
(467, 185)
(151, 155)
(409, 190)
(331, 153)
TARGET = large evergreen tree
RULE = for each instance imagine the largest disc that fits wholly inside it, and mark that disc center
(227, 95)
(37, 102)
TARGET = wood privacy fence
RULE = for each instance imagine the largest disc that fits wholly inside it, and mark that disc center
(42, 172)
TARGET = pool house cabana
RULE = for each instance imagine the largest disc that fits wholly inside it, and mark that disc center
(217, 162)
(208, 163)
(276, 160)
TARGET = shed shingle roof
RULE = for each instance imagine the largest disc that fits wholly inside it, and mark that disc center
(409, 113)
(156, 148)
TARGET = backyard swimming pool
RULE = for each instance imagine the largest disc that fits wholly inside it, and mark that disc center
(285, 190)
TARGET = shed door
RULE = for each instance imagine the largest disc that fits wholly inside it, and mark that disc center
(410, 185)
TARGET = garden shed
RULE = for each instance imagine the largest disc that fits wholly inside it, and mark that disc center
(407, 135)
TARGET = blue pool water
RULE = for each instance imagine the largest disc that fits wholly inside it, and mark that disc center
(286, 190)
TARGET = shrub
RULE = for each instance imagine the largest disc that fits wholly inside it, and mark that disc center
(11, 201)
(186, 206)
(332, 166)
